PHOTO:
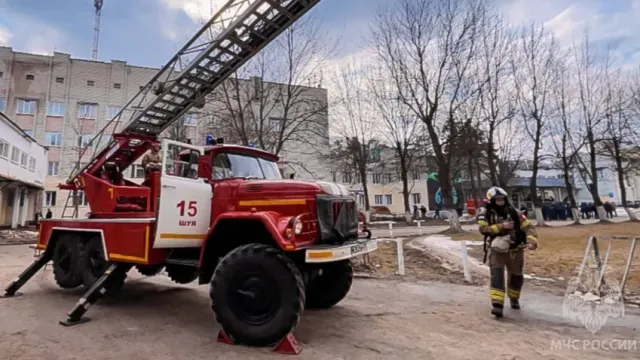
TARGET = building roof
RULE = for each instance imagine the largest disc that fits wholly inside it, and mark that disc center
(11, 123)
(541, 182)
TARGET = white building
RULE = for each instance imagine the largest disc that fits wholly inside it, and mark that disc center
(23, 167)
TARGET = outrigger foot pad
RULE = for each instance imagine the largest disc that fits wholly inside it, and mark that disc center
(70, 322)
(8, 296)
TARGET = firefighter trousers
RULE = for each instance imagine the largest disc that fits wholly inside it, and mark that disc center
(513, 262)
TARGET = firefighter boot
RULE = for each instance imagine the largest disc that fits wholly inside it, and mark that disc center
(496, 292)
(515, 286)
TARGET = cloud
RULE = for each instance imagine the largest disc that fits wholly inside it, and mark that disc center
(612, 25)
(29, 34)
(5, 36)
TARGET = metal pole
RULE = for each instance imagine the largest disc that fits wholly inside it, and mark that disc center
(627, 267)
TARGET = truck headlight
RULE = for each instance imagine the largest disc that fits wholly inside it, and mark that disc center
(297, 226)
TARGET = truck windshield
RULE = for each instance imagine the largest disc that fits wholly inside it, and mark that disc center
(234, 165)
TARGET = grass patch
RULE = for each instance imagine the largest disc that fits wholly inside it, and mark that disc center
(562, 248)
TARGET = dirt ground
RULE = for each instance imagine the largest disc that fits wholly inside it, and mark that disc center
(380, 319)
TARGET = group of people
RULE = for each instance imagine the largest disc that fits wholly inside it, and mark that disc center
(588, 210)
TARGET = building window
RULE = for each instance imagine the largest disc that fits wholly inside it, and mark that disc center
(52, 138)
(24, 160)
(2, 104)
(1, 74)
(416, 198)
(378, 199)
(32, 164)
(275, 124)
(334, 176)
(84, 140)
(112, 112)
(80, 200)
(87, 111)
(50, 198)
(190, 120)
(389, 199)
(346, 178)
(90, 83)
(52, 168)
(357, 179)
(600, 174)
(30, 77)
(15, 155)
(361, 199)
(60, 80)
(4, 148)
(55, 109)
(137, 171)
(416, 174)
(117, 86)
(388, 178)
(375, 178)
(26, 107)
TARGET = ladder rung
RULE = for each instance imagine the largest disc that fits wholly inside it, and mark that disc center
(196, 80)
(280, 9)
(163, 111)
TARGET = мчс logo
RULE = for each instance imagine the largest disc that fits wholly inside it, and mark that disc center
(591, 300)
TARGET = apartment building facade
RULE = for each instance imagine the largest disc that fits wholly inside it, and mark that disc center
(23, 166)
(62, 102)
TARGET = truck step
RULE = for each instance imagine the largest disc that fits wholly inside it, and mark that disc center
(185, 262)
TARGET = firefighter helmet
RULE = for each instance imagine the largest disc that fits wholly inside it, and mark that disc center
(496, 192)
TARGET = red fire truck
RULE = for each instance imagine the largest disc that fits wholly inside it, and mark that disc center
(220, 214)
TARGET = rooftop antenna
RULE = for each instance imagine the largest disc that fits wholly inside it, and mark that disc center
(97, 4)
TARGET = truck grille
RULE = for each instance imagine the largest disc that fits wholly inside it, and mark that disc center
(337, 217)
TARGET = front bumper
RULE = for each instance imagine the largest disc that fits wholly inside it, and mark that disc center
(347, 250)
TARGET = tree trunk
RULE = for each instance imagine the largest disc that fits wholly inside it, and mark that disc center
(573, 205)
(620, 172)
(471, 180)
(533, 185)
(447, 196)
(405, 183)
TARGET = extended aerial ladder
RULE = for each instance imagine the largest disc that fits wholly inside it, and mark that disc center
(237, 32)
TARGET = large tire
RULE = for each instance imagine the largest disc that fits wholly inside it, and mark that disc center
(93, 264)
(257, 295)
(65, 263)
(182, 274)
(149, 270)
(331, 286)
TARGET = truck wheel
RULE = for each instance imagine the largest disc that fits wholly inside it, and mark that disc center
(257, 295)
(65, 263)
(331, 286)
(94, 263)
(182, 274)
(149, 270)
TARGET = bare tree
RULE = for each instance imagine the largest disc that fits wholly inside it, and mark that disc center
(276, 98)
(497, 100)
(591, 80)
(400, 128)
(565, 145)
(534, 76)
(354, 120)
(621, 136)
(428, 48)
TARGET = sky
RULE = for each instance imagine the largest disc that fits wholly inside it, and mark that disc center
(149, 32)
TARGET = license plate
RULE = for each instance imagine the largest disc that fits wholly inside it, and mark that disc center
(357, 248)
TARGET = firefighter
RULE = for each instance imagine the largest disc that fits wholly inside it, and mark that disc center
(508, 233)
(152, 160)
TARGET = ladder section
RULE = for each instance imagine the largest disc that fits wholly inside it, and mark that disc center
(229, 39)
